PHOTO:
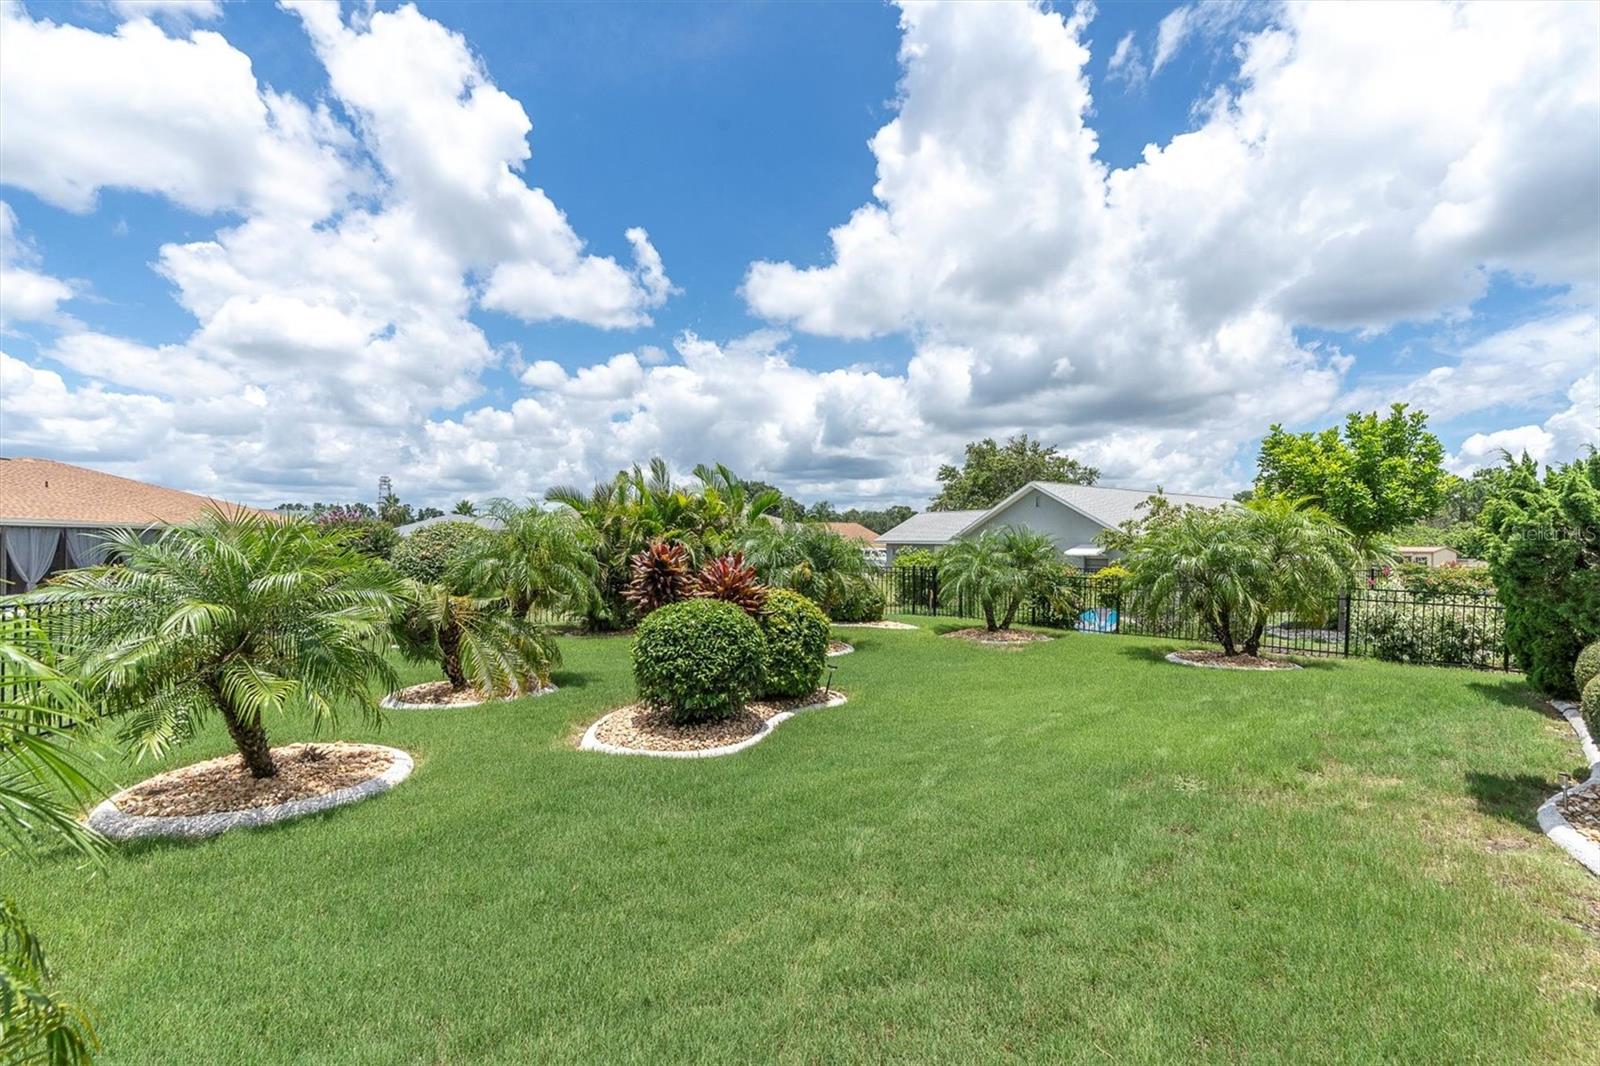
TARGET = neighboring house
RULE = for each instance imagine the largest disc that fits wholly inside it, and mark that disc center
(1428, 555)
(484, 520)
(860, 535)
(1071, 515)
(55, 516)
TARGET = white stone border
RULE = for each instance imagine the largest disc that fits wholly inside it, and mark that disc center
(873, 625)
(389, 703)
(846, 650)
(591, 738)
(1177, 657)
(111, 822)
(1551, 820)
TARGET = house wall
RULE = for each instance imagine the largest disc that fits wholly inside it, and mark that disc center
(1047, 515)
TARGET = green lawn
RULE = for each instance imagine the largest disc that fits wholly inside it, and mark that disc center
(1074, 851)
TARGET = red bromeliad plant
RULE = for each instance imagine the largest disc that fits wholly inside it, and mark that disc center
(660, 575)
(730, 578)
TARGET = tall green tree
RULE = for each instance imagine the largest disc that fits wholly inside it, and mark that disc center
(238, 615)
(1376, 476)
(991, 472)
(43, 779)
(1544, 552)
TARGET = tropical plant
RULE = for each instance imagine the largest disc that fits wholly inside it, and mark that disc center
(814, 561)
(911, 557)
(999, 571)
(478, 641)
(369, 536)
(427, 553)
(660, 575)
(796, 633)
(863, 601)
(465, 507)
(43, 779)
(538, 560)
(698, 660)
(238, 615)
(1235, 567)
(1544, 553)
(730, 579)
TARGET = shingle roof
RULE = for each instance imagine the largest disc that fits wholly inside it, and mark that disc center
(1112, 506)
(931, 527)
(853, 531)
(45, 492)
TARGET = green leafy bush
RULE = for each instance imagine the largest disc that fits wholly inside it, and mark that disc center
(1452, 579)
(1591, 706)
(859, 601)
(698, 660)
(1413, 633)
(1108, 582)
(429, 553)
(1587, 667)
(796, 632)
(904, 560)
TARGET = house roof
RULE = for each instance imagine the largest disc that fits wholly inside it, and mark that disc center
(43, 492)
(1104, 504)
(931, 527)
(484, 520)
(853, 531)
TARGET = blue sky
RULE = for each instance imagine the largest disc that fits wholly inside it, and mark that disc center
(1151, 315)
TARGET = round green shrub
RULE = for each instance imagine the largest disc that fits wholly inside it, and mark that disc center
(428, 553)
(1591, 706)
(861, 601)
(698, 660)
(796, 632)
(1587, 667)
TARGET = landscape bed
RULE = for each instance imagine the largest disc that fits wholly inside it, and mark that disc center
(1077, 853)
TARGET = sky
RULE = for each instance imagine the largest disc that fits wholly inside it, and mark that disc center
(274, 252)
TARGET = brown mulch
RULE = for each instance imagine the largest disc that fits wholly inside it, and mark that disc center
(839, 647)
(1234, 662)
(225, 785)
(1581, 807)
(998, 636)
(641, 727)
(438, 694)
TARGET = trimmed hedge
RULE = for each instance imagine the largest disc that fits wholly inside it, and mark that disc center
(1587, 667)
(698, 660)
(796, 633)
(1591, 707)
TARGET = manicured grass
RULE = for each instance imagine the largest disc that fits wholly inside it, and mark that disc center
(1072, 851)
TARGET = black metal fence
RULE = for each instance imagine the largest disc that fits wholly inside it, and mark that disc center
(1395, 624)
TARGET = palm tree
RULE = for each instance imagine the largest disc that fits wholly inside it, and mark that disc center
(1237, 566)
(42, 782)
(478, 641)
(981, 568)
(1000, 570)
(539, 561)
(807, 557)
(239, 615)
(465, 507)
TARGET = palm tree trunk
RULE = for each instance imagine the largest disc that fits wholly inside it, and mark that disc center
(450, 657)
(1252, 643)
(1223, 628)
(251, 740)
(1011, 613)
(988, 614)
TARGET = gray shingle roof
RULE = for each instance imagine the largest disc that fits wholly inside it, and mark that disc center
(1111, 506)
(931, 527)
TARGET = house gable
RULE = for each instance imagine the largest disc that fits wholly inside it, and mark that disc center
(1032, 508)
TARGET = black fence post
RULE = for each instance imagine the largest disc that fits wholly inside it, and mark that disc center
(1346, 616)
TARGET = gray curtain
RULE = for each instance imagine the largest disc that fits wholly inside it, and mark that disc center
(30, 549)
(86, 547)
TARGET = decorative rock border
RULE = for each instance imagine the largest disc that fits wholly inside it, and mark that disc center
(1177, 657)
(389, 703)
(1551, 820)
(591, 738)
(873, 625)
(115, 824)
(846, 650)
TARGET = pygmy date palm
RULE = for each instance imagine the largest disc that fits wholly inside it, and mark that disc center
(239, 615)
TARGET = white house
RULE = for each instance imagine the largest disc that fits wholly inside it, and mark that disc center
(1071, 515)
(1428, 555)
